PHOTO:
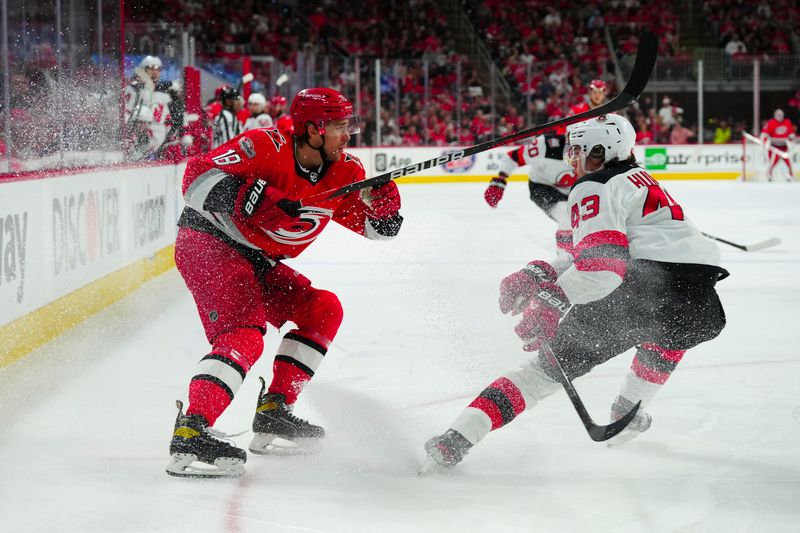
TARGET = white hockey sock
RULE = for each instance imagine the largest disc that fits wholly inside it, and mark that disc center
(636, 389)
(503, 400)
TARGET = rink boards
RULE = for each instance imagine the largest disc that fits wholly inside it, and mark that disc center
(74, 242)
(666, 162)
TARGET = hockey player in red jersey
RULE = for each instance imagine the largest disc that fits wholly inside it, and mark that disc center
(240, 222)
(597, 96)
(285, 125)
(643, 276)
(777, 135)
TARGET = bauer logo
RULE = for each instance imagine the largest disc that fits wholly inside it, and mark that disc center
(459, 164)
(655, 158)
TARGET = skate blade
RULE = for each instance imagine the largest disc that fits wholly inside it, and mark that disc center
(269, 444)
(622, 438)
(430, 468)
(187, 465)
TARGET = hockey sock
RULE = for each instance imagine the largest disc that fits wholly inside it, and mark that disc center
(503, 400)
(318, 317)
(221, 373)
(651, 367)
(297, 359)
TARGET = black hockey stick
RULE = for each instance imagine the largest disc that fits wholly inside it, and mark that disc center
(645, 61)
(596, 432)
(769, 243)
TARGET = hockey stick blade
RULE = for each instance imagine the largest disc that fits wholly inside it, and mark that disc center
(597, 432)
(642, 68)
(769, 243)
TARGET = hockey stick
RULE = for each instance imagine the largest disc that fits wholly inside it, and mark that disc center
(769, 243)
(596, 432)
(247, 78)
(645, 61)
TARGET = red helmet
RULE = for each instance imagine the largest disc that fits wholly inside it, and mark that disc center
(598, 85)
(285, 125)
(278, 100)
(319, 106)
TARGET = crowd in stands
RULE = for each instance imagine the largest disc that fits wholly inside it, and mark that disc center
(748, 27)
(434, 95)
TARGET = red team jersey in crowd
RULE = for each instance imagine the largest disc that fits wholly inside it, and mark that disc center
(220, 184)
(779, 132)
(583, 107)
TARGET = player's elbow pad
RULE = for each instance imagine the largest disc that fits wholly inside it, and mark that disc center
(383, 229)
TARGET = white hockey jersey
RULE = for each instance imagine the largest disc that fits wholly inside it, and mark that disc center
(621, 213)
(262, 120)
(226, 127)
(544, 156)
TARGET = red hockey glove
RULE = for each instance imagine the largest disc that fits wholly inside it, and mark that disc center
(267, 208)
(494, 192)
(517, 289)
(540, 320)
(525, 330)
(383, 201)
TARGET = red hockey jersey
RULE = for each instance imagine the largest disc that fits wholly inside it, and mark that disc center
(219, 184)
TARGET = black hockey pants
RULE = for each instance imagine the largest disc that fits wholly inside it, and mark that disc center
(669, 304)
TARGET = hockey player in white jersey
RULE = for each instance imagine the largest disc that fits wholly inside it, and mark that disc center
(259, 118)
(643, 276)
(549, 181)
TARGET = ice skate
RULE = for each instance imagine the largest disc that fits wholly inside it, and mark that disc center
(278, 432)
(200, 451)
(640, 423)
(445, 451)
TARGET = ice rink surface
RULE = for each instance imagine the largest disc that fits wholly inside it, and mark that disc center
(86, 420)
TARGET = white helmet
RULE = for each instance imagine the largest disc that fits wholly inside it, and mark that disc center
(150, 62)
(611, 132)
(258, 99)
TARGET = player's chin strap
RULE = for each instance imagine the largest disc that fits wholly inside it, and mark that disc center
(305, 138)
(321, 148)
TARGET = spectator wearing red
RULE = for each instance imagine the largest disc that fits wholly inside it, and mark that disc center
(277, 107)
(680, 134)
(411, 137)
(644, 133)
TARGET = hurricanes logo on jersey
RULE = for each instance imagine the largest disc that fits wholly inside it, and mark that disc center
(312, 220)
(276, 137)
